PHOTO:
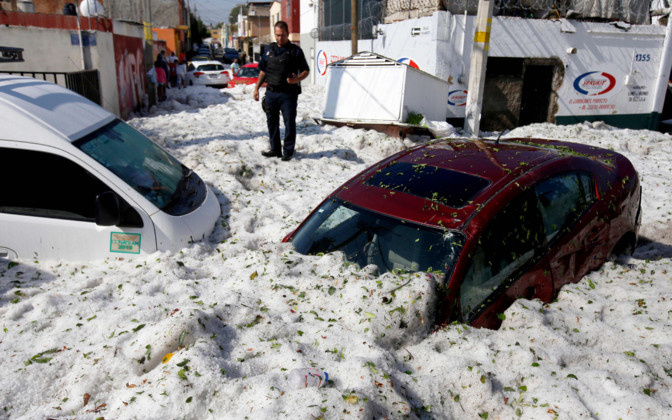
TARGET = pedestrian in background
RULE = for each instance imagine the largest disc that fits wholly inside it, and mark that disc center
(151, 74)
(172, 69)
(182, 74)
(282, 66)
(235, 66)
(161, 59)
(160, 80)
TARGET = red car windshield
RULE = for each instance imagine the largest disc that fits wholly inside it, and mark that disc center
(248, 72)
(367, 238)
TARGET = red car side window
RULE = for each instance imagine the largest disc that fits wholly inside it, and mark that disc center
(562, 200)
(510, 240)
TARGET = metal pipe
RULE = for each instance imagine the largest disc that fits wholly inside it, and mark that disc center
(354, 26)
(79, 33)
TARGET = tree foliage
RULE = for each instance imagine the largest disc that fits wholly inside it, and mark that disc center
(198, 29)
(237, 9)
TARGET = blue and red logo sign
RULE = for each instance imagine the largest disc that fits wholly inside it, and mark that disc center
(594, 83)
(321, 62)
(406, 60)
(457, 97)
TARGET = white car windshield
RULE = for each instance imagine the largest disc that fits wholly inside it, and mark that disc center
(143, 165)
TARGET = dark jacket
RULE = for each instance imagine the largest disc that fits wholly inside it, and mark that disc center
(281, 63)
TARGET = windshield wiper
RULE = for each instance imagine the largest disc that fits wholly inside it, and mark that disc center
(181, 186)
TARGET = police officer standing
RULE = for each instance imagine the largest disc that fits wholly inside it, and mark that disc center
(282, 66)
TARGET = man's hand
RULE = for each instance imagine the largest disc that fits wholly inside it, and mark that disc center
(293, 80)
(296, 79)
(260, 81)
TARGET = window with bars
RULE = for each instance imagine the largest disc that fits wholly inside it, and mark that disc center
(335, 18)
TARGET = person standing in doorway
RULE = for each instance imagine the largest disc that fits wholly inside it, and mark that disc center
(182, 74)
(282, 67)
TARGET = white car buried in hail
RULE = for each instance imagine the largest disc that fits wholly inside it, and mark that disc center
(80, 184)
(208, 73)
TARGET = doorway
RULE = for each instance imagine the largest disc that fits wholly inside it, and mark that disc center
(537, 89)
(520, 91)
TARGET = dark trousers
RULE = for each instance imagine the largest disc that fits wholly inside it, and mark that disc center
(274, 103)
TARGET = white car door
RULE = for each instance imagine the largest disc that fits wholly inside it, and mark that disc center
(48, 210)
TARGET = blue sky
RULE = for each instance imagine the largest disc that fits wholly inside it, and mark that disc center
(214, 11)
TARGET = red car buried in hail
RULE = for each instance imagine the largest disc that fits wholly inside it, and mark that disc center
(247, 75)
(495, 220)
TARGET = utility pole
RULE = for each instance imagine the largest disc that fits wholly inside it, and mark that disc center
(479, 62)
(354, 26)
(81, 41)
(149, 52)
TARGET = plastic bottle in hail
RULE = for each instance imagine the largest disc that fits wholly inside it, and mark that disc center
(307, 378)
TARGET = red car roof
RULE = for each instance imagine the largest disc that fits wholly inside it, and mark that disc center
(498, 164)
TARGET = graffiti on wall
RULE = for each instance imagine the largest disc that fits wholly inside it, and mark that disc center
(130, 66)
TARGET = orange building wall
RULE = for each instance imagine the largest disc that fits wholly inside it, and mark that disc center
(171, 36)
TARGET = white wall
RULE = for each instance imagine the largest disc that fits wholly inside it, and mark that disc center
(601, 49)
(308, 21)
(241, 25)
(104, 62)
(395, 42)
(442, 47)
(51, 50)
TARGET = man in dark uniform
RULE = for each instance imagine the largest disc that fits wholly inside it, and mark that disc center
(282, 66)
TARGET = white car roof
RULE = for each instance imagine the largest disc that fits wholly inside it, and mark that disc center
(41, 112)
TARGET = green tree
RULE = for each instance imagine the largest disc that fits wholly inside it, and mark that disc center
(198, 29)
(237, 9)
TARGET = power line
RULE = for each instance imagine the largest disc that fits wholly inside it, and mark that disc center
(214, 11)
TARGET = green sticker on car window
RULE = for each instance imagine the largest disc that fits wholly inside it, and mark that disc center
(128, 243)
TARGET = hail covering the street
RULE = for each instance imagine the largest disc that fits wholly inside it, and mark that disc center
(212, 331)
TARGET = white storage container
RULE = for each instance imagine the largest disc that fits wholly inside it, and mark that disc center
(370, 88)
